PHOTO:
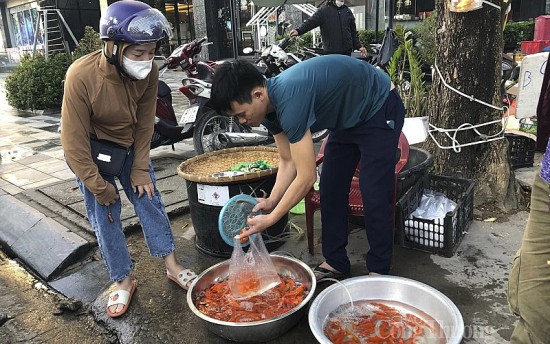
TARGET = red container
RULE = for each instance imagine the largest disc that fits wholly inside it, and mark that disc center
(533, 47)
(542, 28)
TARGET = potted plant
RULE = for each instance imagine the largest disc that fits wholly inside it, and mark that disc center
(405, 70)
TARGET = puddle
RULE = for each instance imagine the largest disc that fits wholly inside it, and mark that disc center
(16, 153)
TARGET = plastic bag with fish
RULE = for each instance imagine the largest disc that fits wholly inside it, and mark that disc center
(251, 273)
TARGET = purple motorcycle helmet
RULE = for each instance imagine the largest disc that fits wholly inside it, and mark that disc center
(133, 22)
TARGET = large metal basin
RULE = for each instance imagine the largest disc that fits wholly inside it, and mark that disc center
(391, 288)
(257, 331)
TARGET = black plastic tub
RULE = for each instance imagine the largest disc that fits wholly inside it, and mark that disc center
(205, 217)
(420, 161)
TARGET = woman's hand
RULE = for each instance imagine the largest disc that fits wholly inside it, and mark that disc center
(113, 201)
(108, 196)
(142, 189)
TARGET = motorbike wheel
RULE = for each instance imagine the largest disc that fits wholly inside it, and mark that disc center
(207, 130)
(319, 135)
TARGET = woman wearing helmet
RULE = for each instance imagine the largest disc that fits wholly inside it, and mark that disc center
(110, 95)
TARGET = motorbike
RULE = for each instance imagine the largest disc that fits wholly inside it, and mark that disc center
(214, 131)
(168, 129)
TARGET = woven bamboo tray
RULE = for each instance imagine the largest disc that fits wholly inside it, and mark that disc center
(201, 168)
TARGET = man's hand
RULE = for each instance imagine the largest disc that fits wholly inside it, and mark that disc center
(257, 224)
(266, 205)
(363, 51)
(147, 188)
(293, 33)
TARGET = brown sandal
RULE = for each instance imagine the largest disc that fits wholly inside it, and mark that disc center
(323, 274)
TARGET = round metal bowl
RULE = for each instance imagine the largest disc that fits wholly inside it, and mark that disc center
(391, 288)
(256, 331)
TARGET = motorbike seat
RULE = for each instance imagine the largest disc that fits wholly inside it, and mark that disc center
(164, 91)
(205, 72)
(261, 69)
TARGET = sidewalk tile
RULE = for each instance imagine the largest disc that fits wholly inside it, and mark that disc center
(49, 166)
(44, 182)
(33, 159)
(11, 189)
(24, 177)
(66, 174)
(8, 166)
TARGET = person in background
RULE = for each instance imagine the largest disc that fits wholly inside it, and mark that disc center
(529, 280)
(338, 29)
(359, 105)
(111, 95)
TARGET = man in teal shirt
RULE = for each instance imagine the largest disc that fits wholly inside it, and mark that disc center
(355, 101)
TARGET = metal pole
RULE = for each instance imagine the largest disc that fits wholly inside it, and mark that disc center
(67, 27)
(366, 6)
(45, 33)
(390, 17)
(36, 33)
(377, 23)
(234, 28)
(177, 19)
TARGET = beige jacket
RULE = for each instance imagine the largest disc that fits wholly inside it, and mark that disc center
(98, 99)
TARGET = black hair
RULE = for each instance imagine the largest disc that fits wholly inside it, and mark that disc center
(234, 81)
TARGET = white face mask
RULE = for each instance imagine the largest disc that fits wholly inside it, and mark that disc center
(339, 3)
(137, 69)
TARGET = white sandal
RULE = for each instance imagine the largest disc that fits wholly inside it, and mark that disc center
(183, 279)
(120, 297)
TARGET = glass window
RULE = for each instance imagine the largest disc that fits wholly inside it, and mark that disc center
(22, 24)
(180, 14)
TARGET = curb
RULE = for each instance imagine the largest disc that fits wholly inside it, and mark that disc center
(40, 242)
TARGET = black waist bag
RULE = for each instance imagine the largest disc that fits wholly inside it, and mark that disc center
(108, 156)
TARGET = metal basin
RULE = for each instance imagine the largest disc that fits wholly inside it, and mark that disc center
(257, 331)
(391, 288)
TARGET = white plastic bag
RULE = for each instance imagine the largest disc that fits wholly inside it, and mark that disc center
(433, 205)
(251, 273)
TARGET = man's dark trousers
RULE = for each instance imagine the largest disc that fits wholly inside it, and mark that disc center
(374, 143)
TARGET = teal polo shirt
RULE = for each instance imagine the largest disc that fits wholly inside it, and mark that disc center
(332, 92)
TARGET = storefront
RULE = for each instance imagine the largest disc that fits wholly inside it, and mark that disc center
(20, 17)
(224, 23)
(20, 20)
(180, 15)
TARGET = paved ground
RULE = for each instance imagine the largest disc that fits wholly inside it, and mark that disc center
(43, 226)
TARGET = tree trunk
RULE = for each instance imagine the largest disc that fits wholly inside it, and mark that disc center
(469, 48)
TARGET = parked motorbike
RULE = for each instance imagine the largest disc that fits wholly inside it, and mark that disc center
(214, 131)
(168, 129)
(186, 56)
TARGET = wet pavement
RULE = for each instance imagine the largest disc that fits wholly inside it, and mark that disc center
(39, 201)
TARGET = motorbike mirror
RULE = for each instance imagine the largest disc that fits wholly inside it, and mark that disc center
(248, 50)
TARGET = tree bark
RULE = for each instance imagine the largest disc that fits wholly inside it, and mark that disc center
(469, 48)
